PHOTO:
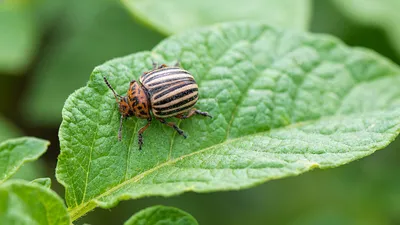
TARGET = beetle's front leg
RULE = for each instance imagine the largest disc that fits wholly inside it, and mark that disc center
(162, 66)
(192, 112)
(173, 125)
(156, 66)
(140, 133)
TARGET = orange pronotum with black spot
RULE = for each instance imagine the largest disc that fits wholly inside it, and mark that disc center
(165, 92)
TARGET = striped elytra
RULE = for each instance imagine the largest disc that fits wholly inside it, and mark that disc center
(171, 90)
(165, 92)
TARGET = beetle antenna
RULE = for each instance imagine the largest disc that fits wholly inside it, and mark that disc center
(112, 89)
(154, 64)
(178, 63)
(120, 129)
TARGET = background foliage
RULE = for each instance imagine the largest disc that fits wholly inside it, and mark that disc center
(62, 41)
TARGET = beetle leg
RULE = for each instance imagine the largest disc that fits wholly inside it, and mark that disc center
(180, 116)
(173, 125)
(192, 112)
(154, 64)
(140, 133)
(120, 128)
(178, 63)
(162, 66)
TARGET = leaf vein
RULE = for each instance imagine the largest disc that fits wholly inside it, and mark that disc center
(89, 164)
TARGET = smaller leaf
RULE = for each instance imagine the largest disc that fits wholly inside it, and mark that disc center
(15, 152)
(27, 171)
(161, 215)
(22, 202)
(45, 182)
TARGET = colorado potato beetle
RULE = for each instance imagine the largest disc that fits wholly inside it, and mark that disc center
(163, 92)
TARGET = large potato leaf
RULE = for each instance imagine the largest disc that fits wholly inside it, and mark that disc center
(283, 103)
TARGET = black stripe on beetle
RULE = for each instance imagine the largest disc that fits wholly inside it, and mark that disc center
(162, 92)
(175, 111)
(165, 85)
(177, 88)
(163, 73)
(171, 98)
(177, 103)
(169, 81)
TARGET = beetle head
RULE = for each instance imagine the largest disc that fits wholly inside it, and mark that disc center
(123, 102)
(124, 108)
(123, 105)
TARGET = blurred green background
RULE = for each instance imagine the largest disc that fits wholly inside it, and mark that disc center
(48, 49)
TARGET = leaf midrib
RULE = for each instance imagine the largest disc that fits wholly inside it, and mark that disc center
(90, 163)
(86, 206)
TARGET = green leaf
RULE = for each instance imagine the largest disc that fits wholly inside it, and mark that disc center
(27, 171)
(22, 202)
(15, 152)
(383, 14)
(179, 15)
(45, 182)
(161, 215)
(91, 32)
(283, 103)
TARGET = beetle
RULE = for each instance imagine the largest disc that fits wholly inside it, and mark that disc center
(162, 92)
